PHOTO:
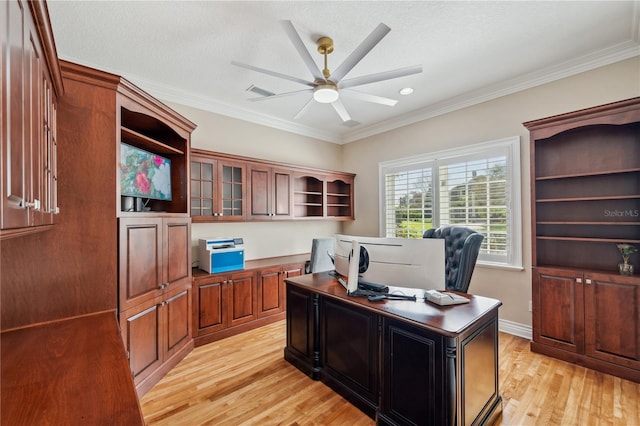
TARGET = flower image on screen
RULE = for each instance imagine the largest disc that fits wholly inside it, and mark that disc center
(143, 174)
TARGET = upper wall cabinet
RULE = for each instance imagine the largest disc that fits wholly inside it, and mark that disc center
(218, 189)
(31, 84)
(232, 188)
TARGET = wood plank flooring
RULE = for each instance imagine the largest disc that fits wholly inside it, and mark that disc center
(244, 380)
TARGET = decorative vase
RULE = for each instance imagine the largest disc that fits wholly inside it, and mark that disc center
(625, 267)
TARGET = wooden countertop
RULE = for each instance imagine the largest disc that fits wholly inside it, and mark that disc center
(69, 372)
(259, 264)
(448, 320)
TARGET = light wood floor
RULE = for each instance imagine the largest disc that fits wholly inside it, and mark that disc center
(244, 380)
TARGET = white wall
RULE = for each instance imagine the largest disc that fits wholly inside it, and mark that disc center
(262, 239)
(488, 121)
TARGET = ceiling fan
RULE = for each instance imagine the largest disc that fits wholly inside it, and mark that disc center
(327, 86)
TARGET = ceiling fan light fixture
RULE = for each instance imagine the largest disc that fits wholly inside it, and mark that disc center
(325, 93)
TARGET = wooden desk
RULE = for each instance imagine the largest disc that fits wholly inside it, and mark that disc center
(69, 372)
(399, 361)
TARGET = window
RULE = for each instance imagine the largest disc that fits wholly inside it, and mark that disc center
(476, 186)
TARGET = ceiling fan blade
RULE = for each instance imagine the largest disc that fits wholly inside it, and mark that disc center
(360, 52)
(273, 73)
(303, 109)
(281, 95)
(341, 110)
(381, 76)
(302, 50)
(369, 98)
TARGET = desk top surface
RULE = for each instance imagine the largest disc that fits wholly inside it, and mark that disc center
(68, 372)
(449, 320)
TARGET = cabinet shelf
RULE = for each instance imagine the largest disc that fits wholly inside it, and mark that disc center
(558, 222)
(605, 197)
(309, 204)
(146, 142)
(586, 239)
(581, 175)
(307, 193)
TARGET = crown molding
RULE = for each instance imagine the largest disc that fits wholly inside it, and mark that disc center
(565, 69)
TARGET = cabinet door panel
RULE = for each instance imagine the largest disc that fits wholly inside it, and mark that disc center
(140, 260)
(558, 309)
(269, 292)
(413, 383)
(178, 310)
(14, 123)
(178, 244)
(612, 319)
(282, 193)
(259, 190)
(301, 323)
(211, 310)
(141, 338)
(243, 299)
(350, 347)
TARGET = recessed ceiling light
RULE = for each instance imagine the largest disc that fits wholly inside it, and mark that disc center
(406, 91)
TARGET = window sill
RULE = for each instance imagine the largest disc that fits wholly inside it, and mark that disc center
(503, 266)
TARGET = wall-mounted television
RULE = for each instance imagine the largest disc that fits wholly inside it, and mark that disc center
(144, 174)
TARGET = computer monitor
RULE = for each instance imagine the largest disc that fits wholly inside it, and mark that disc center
(398, 262)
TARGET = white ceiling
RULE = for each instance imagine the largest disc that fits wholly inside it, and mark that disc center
(470, 51)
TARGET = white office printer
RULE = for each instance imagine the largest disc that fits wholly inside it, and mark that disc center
(221, 254)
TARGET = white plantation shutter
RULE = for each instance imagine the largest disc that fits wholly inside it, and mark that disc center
(477, 187)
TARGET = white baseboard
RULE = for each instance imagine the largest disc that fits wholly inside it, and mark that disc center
(517, 329)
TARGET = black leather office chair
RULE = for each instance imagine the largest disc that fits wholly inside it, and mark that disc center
(461, 247)
(321, 255)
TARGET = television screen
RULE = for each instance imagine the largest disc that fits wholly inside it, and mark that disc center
(143, 174)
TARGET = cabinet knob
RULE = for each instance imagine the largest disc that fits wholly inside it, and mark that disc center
(579, 280)
(587, 281)
(35, 205)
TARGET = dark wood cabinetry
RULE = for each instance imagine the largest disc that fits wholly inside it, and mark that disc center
(31, 82)
(155, 294)
(585, 177)
(261, 190)
(270, 193)
(230, 303)
(218, 188)
(151, 249)
(271, 287)
(400, 362)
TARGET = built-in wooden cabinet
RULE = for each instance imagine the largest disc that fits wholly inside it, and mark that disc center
(155, 294)
(262, 190)
(149, 244)
(229, 303)
(309, 195)
(270, 193)
(585, 199)
(218, 189)
(31, 82)
(271, 287)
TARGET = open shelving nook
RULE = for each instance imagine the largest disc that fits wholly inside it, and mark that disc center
(586, 192)
(308, 196)
(155, 136)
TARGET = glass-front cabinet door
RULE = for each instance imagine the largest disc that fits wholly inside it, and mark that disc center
(217, 190)
(232, 179)
(203, 180)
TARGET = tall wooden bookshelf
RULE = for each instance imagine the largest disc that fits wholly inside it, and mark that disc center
(585, 199)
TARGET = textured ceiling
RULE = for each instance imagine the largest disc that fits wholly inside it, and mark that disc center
(181, 51)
